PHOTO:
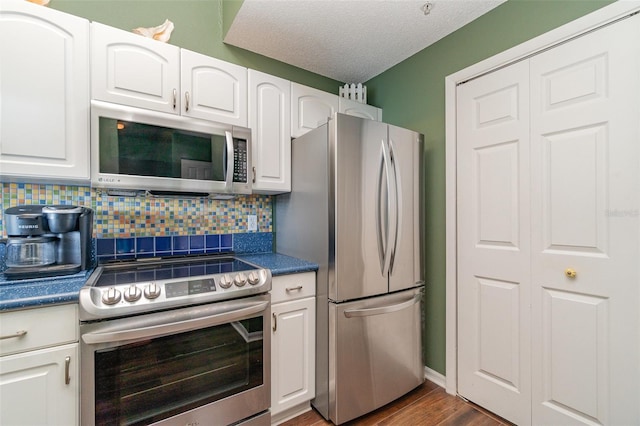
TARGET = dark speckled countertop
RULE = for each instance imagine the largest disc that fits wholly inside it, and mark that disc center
(280, 264)
(22, 294)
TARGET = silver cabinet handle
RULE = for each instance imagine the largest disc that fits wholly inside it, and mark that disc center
(186, 99)
(67, 364)
(254, 174)
(175, 98)
(383, 309)
(14, 335)
(275, 322)
(297, 288)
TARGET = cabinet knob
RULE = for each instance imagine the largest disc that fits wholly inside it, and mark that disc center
(570, 273)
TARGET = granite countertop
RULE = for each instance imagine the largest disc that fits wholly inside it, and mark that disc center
(30, 293)
(280, 264)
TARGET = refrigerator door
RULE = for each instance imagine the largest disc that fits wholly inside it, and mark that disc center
(361, 194)
(405, 267)
(375, 352)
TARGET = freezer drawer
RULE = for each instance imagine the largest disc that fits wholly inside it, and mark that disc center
(375, 351)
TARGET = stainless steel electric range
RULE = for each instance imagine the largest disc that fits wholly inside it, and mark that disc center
(176, 341)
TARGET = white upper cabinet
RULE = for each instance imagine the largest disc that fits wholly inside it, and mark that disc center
(310, 108)
(349, 107)
(213, 89)
(44, 93)
(133, 70)
(269, 120)
(130, 69)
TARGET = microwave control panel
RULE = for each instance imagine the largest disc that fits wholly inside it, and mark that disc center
(239, 160)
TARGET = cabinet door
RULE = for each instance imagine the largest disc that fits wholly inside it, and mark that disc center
(269, 120)
(292, 353)
(133, 70)
(40, 387)
(310, 108)
(44, 101)
(349, 107)
(213, 89)
(585, 163)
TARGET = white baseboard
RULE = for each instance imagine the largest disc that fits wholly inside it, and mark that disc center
(435, 377)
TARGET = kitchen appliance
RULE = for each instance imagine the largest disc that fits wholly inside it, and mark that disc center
(354, 209)
(176, 341)
(46, 241)
(133, 149)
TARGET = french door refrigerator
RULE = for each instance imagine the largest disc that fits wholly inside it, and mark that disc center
(355, 210)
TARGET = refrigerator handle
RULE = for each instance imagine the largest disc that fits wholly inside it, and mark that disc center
(353, 313)
(382, 212)
(394, 207)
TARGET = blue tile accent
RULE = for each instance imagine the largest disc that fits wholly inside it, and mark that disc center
(226, 241)
(212, 241)
(125, 245)
(144, 245)
(253, 242)
(196, 242)
(163, 244)
(180, 243)
(105, 246)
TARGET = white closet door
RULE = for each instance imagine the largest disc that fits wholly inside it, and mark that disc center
(494, 365)
(585, 142)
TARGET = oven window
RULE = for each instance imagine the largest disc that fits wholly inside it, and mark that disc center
(147, 381)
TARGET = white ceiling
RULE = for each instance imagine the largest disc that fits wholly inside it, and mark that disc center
(348, 40)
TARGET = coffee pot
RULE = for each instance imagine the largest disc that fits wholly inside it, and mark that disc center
(47, 241)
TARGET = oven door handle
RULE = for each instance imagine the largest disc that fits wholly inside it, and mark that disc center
(173, 327)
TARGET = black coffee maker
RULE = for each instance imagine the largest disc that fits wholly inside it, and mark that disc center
(45, 241)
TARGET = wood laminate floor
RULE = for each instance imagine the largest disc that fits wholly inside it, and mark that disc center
(427, 405)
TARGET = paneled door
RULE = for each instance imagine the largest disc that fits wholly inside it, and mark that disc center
(549, 241)
(585, 151)
(494, 340)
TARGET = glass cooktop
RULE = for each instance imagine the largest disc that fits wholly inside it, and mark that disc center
(136, 272)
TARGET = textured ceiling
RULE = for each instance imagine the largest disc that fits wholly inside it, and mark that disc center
(348, 40)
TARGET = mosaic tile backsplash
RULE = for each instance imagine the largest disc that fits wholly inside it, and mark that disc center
(130, 227)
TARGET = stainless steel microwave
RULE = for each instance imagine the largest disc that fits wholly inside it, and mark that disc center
(143, 150)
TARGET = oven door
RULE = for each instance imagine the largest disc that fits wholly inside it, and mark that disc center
(194, 365)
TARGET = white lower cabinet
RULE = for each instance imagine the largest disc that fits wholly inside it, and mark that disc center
(293, 314)
(39, 367)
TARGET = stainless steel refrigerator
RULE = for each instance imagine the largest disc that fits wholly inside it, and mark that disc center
(355, 209)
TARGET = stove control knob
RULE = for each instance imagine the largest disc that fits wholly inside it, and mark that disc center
(152, 291)
(253, 278)
(240, 280)
(132, 294)
(226, 281)
(111, 296)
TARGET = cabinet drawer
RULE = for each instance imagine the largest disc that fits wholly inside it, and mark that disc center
(292, 287)
(44, 327)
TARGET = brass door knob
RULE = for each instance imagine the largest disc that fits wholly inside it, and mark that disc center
(570, 273)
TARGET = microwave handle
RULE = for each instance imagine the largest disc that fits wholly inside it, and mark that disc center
(230, 161)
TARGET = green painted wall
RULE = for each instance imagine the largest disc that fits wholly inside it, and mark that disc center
(412, 95)
(200, 26)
